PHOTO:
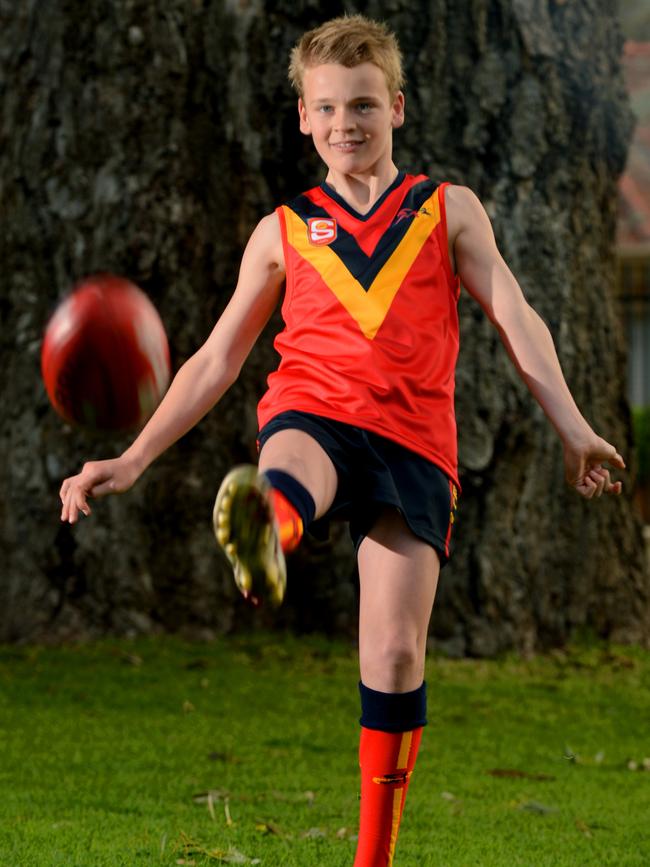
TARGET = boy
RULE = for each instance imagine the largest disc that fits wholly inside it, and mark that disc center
(358, 420)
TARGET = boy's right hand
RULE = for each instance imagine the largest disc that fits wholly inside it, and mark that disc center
(96, 479)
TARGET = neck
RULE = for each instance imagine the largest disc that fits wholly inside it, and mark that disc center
(362, 191)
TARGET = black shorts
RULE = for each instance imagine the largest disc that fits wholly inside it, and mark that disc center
(374, 472)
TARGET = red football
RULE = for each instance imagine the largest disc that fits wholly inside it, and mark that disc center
(105, 356)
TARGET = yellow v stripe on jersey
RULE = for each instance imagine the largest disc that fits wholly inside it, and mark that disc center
(368, 309)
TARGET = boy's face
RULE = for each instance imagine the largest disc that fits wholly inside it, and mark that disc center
(350, 114)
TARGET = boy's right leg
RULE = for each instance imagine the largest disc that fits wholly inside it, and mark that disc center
(260, 513)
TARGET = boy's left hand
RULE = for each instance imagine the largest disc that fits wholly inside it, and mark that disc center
(584, 471)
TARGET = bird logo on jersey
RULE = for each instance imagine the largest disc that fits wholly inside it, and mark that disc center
(321, 230)
(405, 213)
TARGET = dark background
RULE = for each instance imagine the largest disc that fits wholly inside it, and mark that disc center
(148, 141)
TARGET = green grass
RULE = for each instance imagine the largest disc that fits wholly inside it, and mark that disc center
(107, 752)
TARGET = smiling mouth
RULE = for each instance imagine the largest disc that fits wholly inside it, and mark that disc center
(346, 145)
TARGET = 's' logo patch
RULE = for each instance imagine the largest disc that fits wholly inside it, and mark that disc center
(321, 230)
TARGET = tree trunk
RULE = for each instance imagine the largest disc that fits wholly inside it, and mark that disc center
(149, 143)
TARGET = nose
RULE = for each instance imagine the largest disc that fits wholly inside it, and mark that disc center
(344, 120)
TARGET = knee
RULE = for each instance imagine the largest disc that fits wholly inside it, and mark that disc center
(393, 664)
(298, 454)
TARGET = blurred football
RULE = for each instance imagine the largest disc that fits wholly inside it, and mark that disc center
(105, 356)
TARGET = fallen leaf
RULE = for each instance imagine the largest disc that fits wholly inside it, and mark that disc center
(229, 856)
(293, 797)
(234, 856)
(536, 807)
(126, 657)
(196, 663)
(213, 794)
(267, 828)
(582, 826)
(456, 808)
(313, 834)
(226, 758)
(511, 772)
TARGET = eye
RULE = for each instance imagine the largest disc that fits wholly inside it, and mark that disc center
(365, 107)
(324, 109)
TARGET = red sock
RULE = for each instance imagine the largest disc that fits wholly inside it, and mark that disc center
(289, 521)
(387, 760)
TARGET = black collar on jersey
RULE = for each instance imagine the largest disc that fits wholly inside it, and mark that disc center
(365, 268)
(331, 192)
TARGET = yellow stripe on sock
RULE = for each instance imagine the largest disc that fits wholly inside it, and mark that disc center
(398, 795)
(404, 750)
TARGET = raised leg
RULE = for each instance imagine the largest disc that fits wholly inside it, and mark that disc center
(260, 513)
(300, 455)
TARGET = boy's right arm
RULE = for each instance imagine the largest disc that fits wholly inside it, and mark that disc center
(201, 381)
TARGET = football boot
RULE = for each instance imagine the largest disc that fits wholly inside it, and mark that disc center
(245, 527)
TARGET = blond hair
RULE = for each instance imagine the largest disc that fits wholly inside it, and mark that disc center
(349, 40)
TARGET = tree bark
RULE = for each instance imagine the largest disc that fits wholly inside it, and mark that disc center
(147, 140)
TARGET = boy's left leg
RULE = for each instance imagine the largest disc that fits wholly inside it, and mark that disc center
(398, 575)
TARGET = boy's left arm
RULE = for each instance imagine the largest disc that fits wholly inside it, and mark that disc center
(528, 341)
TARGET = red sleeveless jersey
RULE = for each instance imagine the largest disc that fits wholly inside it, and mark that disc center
(370, 309)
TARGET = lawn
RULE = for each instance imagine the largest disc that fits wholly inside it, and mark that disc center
(244, 751)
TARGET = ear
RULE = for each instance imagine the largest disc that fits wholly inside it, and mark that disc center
(397, 110)
(305, 127)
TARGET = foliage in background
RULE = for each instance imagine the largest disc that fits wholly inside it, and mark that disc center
(635, 18)
(245, 752)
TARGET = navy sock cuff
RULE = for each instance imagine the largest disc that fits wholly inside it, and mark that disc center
(295, 492)
(393, 711)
